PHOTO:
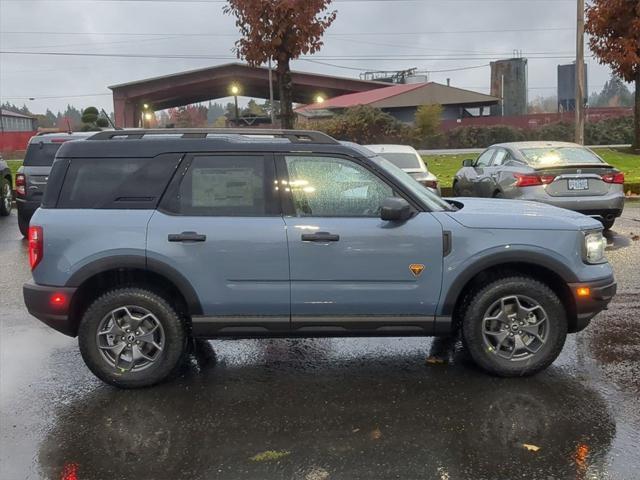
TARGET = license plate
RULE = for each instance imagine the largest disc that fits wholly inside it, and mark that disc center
(578, 183)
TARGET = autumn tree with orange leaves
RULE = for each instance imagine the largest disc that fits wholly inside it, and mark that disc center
(281, 30)
(614, 26)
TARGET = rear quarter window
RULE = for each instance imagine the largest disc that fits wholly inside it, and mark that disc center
(117, 183)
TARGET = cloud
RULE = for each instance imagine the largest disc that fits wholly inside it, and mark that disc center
(391, 28)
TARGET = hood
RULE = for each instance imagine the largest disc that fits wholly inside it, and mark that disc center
(517, 214)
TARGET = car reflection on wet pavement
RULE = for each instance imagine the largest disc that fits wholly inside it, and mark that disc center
(325, 408)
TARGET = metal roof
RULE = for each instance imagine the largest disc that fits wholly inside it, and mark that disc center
(9, 113)
(406, 95)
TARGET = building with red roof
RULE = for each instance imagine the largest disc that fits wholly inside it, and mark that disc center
(402, 101)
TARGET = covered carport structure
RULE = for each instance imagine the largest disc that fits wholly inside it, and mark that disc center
(211, 83)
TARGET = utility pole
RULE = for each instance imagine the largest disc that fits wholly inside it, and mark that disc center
(579, 137)
(272, 112)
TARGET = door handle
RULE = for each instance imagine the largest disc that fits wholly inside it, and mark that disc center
(186, 237)
(320, 237)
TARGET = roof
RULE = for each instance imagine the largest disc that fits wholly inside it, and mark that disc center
(9, 113)
(407, 95)
(214, 82)
(391, 148)
(534, 144)
(59, 137)
(151, 143)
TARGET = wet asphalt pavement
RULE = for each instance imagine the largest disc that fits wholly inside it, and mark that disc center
(324, 408)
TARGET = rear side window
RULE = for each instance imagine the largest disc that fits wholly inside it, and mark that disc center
(117, 183)
(40, 154)
(226, 185)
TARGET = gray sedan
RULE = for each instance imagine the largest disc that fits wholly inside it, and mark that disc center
(566, 175)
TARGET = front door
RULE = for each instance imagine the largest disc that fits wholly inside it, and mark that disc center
(349, 268)
(221, 228)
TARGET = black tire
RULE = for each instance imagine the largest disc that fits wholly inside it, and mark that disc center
(6, 203)
(608, 224)
(23, 225)
(168, 360)
(456, 190)
(498, 194)
(482, 351)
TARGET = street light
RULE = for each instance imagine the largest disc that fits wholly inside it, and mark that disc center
(145, 115)
(235, 91)
(319, 99)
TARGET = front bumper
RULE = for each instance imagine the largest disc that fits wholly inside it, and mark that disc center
(40, 304)
(587, 307)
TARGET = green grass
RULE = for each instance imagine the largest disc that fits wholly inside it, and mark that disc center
(446, 166)
(14, 165)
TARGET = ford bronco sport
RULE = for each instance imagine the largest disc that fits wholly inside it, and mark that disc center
(146, 239)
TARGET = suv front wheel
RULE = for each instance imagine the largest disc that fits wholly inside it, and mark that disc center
(514, 326)
(132, 337)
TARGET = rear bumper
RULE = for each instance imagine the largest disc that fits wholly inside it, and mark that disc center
(610, 204)
(38, 299)
(601, 293)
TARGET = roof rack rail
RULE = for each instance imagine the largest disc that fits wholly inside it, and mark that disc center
(294, 136)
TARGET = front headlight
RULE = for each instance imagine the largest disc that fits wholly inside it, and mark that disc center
(594, 245)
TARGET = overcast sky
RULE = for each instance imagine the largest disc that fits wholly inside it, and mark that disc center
(431, 35)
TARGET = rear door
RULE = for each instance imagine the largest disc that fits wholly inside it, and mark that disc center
(220, 227)
(487, 184)
(479, 175)
(349, 268)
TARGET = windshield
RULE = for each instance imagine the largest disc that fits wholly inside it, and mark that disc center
(403, 160)
(41, 154)
(551, 156)
(431, 200)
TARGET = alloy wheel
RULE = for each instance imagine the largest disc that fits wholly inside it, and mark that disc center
(130, 338)
(515, 327)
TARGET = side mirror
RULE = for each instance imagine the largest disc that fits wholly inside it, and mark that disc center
(467, 163)
(395, 209)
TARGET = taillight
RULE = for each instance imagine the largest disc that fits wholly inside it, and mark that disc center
(21, 183)
(532, 180)
(35, 246)
(613, 178)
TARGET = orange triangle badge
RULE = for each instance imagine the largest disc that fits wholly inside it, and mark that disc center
(416, 269)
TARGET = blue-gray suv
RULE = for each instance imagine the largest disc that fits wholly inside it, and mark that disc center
(146, 240)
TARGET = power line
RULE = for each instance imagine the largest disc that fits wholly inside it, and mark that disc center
(328, 34)
(530, 56)
(48, 97)
(478, 2)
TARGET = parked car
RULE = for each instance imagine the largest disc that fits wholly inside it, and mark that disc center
(409, 160)
(563, 174)
(147, 239)
(33, 174)
(6, 189)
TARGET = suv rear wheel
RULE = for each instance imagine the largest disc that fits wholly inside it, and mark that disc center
(132, 337)
(514, 326)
